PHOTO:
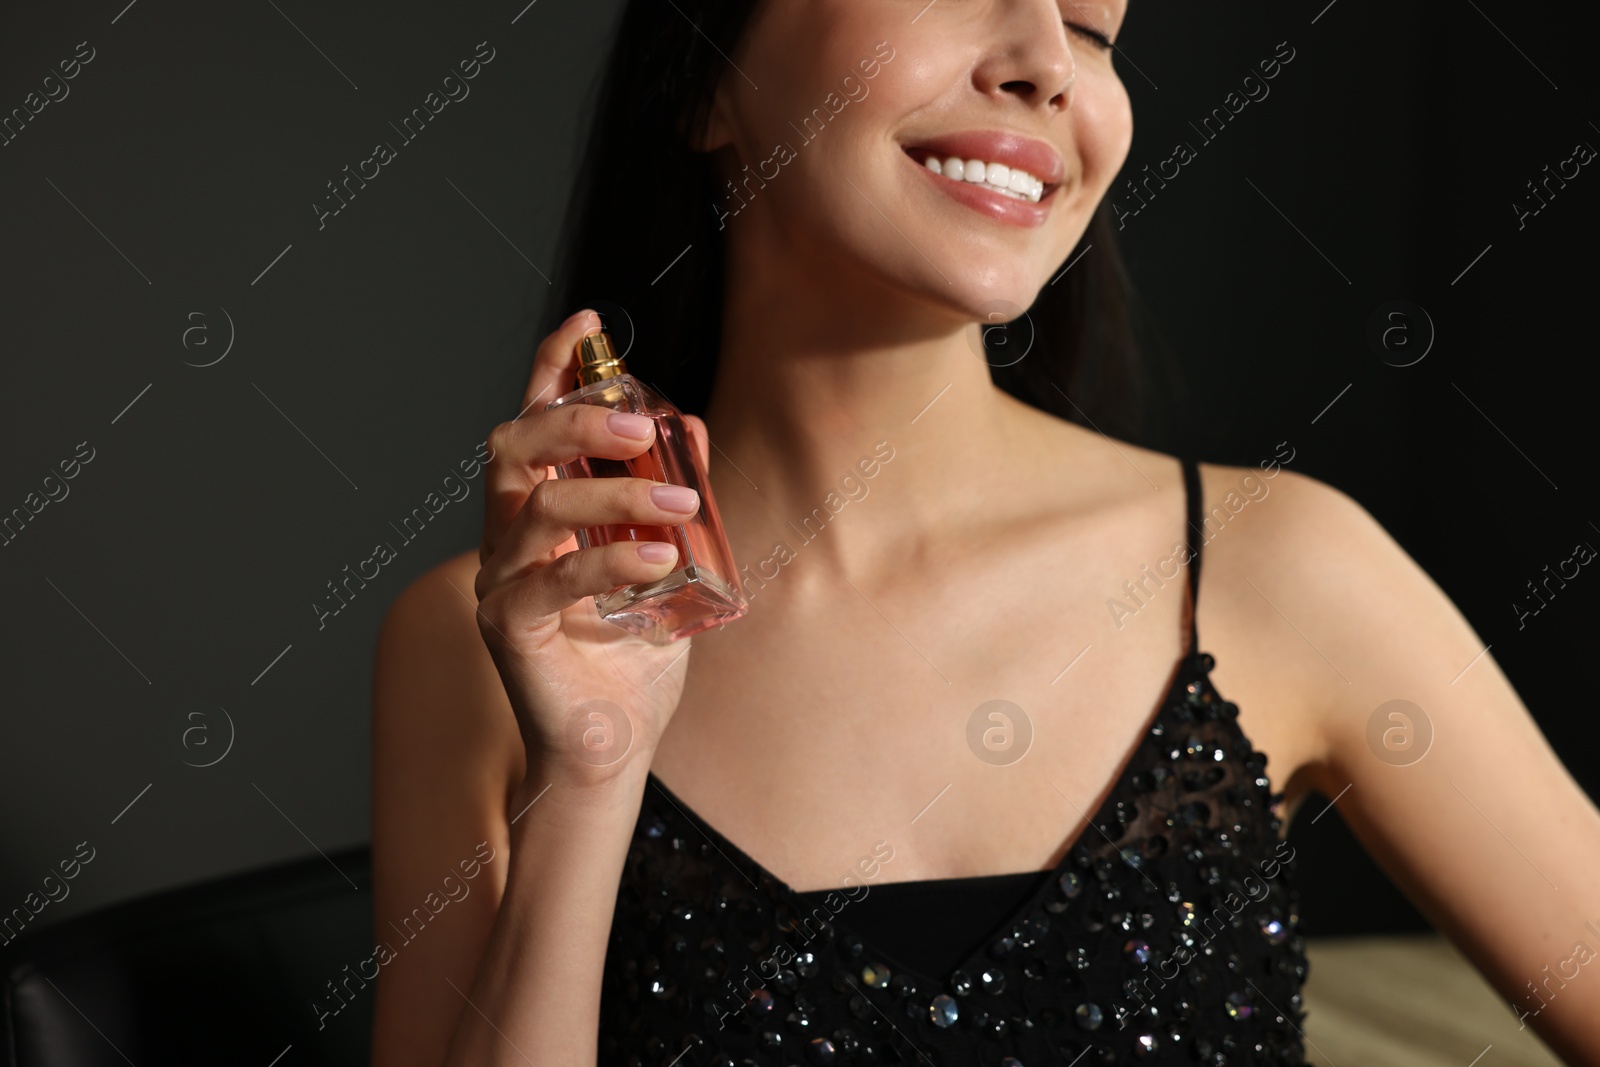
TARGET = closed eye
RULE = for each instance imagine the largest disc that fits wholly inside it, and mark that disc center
(1100, 40)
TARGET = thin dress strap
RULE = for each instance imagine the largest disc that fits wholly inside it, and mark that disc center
(1195, 537)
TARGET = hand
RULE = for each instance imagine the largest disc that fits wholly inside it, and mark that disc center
(590, 698)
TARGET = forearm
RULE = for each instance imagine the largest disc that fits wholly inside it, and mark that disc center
(536, 995)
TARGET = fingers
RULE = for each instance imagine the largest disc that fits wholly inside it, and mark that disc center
(549, 438)
(586, 572)
(524, 448)
(532, 515)
(558, 507)
(555, 363)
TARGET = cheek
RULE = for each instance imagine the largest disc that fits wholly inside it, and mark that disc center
(1103, 130)
(798, 54)
(830, 119)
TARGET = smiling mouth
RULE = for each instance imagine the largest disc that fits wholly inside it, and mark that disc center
(998, 178)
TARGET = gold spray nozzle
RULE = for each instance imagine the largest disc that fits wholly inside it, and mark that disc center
(597, 358)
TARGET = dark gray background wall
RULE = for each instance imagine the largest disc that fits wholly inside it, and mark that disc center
(366, 363)
(164, 209)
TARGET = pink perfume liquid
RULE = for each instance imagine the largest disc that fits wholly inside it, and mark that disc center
(702, 591)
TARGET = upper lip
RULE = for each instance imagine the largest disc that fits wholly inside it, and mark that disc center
(997, 146)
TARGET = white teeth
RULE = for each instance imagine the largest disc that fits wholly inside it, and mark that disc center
(998, 177)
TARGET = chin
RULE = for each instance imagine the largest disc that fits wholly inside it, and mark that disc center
(993, 278)
(990, 299)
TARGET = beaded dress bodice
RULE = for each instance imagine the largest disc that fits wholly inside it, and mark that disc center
(1167, 934)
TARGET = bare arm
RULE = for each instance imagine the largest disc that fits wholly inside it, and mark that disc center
(480, 782)
(445, 751)
(1486, 831)
(537, 994)
(494, 927)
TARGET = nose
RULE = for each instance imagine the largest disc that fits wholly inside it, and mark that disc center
(1031, 58)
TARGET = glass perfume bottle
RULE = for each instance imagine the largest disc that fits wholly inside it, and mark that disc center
(703, 590)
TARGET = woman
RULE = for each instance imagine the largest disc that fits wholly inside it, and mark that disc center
(781, 196)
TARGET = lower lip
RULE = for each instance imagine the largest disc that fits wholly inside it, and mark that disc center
(987, 202)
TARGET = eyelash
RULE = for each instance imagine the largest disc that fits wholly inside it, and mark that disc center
(1100, 40)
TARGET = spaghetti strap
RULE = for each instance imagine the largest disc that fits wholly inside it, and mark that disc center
(1195, 539)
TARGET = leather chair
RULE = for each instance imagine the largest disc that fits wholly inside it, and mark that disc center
(233, 971)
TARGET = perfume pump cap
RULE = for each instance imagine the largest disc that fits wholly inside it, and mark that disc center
(597, 358)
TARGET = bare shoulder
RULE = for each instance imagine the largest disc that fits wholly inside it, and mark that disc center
(1420, 739)
(1281, 513)
(1308, 563)
(1359, 619)
(446, 752)
(1299, 587)
(1334, 616)
(1270, 529)
(1261, 531)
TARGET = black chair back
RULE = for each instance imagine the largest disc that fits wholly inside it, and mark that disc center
(235, 971)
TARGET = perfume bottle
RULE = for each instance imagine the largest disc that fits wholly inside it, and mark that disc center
(703, 591)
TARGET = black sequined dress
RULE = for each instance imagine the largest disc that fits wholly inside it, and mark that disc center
(1168, 933)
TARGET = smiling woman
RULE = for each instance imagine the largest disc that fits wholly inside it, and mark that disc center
(1106, 879)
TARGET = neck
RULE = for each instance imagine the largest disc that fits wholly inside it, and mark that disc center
(816, 382)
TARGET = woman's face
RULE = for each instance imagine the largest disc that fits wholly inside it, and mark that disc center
(826, 123)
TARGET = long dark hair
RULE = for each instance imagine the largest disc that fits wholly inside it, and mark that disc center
(641, 235)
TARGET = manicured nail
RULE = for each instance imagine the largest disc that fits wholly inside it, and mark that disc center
(675, 498)
(656, 552)
(627, 424)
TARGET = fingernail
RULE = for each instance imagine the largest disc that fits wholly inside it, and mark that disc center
(656, 552)
(627, 424)
(675, 498)
(575, 316)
